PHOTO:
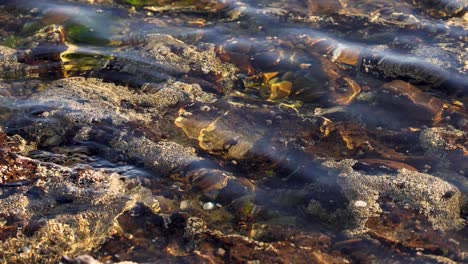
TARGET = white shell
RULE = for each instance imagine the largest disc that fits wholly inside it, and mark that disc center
(360, 203)
(208, 206)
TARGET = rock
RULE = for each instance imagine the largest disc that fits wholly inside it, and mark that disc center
(60, 210)
(132, 123)
(220, 252)
(14, 168)
(447, 147)
(8, 56)
(409, 189)
(163, 57)
(295, 249)
(9, 65)
(208, 206)
(441, 138)
(184, 205)
(164, 157)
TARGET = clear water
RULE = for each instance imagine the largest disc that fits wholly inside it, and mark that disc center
(299, 85)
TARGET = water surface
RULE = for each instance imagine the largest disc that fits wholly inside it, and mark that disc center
(233, 131)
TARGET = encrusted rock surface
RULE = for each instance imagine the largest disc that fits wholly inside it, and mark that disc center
(431, 196)
(49, 210)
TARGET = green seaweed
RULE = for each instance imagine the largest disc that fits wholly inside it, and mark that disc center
(142, 2)
(10, 41)
(31, 28)
(77, 33)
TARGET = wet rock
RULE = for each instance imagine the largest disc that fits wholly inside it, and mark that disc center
(443, 139)
(8, 55)
(9, 66)
(190, 238)
(14, 168)
(162, 57)
(394, 209)
(443, 8)
(233, 131)
(71, 104)
(408, 189)
(215, 134)
(123, 120)
(448, 147)
(323, 7)
(165, 157)
(73, 212)
(297, 249)
(402, 226)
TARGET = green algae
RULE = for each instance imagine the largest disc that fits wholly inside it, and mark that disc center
(10, 41)
(77, 33)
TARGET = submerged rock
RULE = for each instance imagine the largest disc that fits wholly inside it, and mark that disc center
(54, 210)
(162, 57)
(9, 66)
(434, 198)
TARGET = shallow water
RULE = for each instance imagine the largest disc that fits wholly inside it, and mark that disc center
(233, 131)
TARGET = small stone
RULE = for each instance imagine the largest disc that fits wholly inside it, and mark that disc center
(205, 108)
(342, 90)
(184, 205)
(208, 206)
(360, 203)
(453, 241)
(220, 252)
(427, 167)
(25, 250)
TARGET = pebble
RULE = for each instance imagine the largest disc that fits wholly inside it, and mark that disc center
(453, 241)
(427, 167)
(360, 203)
(184, 205)
(25, 250)
(220, 252)
(205, 108)
(208, 206)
